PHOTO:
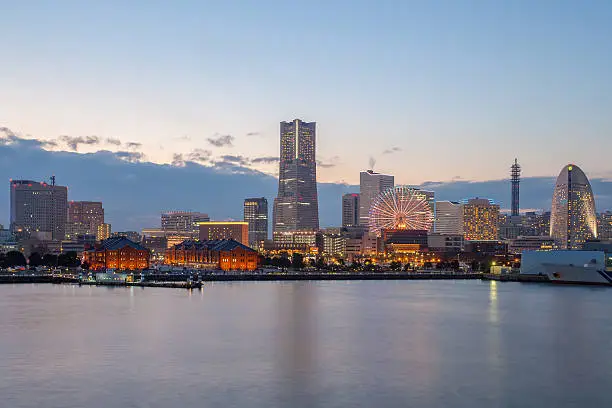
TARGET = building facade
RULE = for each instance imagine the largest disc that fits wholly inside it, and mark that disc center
(371, 184)
(224, 254)
(103, 232)
(480, 220)
(182, 221)
(573, 220)
(296, 206)
(350, 210)
(38, 207)
(604, 225)
(117, 253)
(84, 218)
(448, 218)
(256, 215)
(213, 230)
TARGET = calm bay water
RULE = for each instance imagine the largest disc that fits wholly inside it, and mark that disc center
(307, 344)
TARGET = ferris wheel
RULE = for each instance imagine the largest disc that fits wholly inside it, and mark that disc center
(400, 208)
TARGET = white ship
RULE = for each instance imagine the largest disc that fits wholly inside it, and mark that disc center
(588, 267)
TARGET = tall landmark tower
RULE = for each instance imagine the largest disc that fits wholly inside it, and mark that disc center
(296, 206)
(515, 177)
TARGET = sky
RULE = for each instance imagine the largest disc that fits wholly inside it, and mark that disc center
(430, 90)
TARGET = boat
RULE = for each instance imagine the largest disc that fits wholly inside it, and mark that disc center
(565, 266)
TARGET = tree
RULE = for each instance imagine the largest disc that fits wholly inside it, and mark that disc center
(407, 267)
(49, 260)
(85, 265)
(320, 264)
(68, 259)
(427, 265)
(297, 260)
(395, 266)
(14, 258)
(36, 259)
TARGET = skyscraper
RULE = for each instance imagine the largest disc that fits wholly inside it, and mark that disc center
(38, 207)
(371, 184)
(350, 210)
(84, 218)
(296, 206)
(480, 219)
(515, 179)
(449, 218)
(256, 214)
(572, 219)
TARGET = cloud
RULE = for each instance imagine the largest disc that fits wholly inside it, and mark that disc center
(332, 162)
(235, 159)
(221, 140)
(178, 160)
(183, 138)
(392, 150)
(265, 160)
(199, 155)
(130, 157)
(74, 141)
(113, 141)
(133, 145)
(253, 134)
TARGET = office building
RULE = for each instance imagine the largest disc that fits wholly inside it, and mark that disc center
(604, 225)
(38, 207)
(480, 220)
(182, 221)
(131, 235)
(237, 230)
(350, 210)
(448, 218)
(371, 184)
(296, 207)
(256, 215)
(84, 218)
(573, 220)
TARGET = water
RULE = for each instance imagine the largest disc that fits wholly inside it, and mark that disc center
(307, 344)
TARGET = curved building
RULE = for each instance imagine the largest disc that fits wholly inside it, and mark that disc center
(573, 219)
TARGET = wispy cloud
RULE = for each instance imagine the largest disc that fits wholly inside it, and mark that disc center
(178, 160)
(74, 141)
(133, 145)
(253, 134)
(221, 140)
(113, 141)
(199, 155)
(392, 150)
(265, 160)
(131, 157)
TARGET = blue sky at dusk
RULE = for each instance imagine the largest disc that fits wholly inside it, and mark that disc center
(433, 91)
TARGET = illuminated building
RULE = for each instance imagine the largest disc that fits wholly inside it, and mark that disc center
(573, 220)
(350, 210)
(103, 232)
(211, 230)
(131, 235)
(604, 225)
(182, 221)
(448, 218)
(480, 220)
(256, 214)
(371, 184)
(305, 241)
(531, 243)
(84, 218)
(224, 254)
(334, 245)
(445, 242)
(117, 253)
(38, 207)
(296, 207)
(404, 241)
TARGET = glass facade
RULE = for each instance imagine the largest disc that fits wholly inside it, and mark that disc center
(573, 220)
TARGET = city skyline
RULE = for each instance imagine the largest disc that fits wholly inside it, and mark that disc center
(496, 76)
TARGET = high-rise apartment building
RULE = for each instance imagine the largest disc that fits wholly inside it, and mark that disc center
(480, 220)
(103, 232)
(573, 220)
(371, 184)
(84, 218)
(448, 218)
(182, 221)
(38, 207)
(604, 225)
(237, 230)
(256, 214)
(350, 210)
(296, 207)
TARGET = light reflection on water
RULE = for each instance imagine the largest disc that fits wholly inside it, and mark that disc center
(306, 344)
